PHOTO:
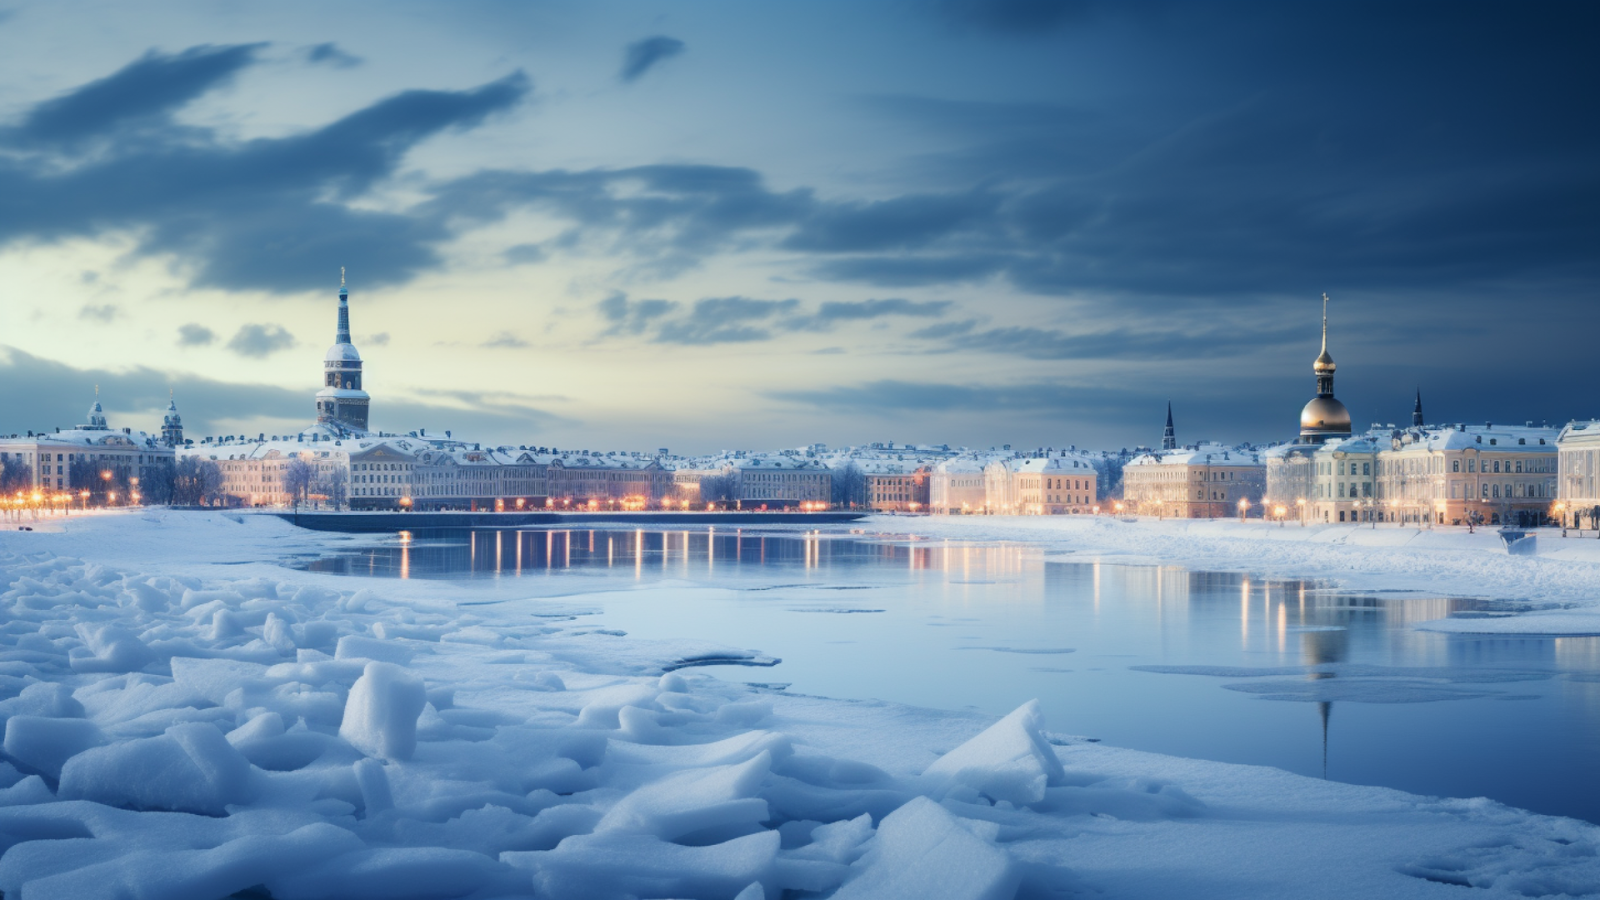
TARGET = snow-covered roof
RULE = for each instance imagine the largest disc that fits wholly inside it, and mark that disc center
(1518, 438)
(1201, 455)
(92, 437)
(1581, 431)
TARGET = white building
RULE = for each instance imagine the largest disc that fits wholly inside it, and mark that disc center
(1579, 476)
(107, 459)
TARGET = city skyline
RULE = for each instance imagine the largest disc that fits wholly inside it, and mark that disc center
(642, 226)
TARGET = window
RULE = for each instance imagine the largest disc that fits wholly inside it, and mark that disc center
(1455, 465)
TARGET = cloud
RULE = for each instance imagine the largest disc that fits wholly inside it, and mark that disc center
(181, 188)
(632, 316)
(833, 312)
(331, 54)
(896, 224)
(260, 341)
(103, 313)
(504, 340)
(143, 92)
(725, 320)
(381, 339)
(525, 253)
(195, 335)
(1196, 341)
(640, 56)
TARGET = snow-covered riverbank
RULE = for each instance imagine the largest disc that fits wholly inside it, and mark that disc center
(187, 718)
(1558, 579)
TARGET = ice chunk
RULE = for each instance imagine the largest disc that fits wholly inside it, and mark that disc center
(603, 704)
(405, 873)
(191, 768)
(920, 851)
(380, 716)
(111, 649)
(45, 698)
(44, 744)
(701, 804)
(180, 874)
(1010, 760)
(276, 632)
(27, 792)
(611, 866)
(354, 646)
(374, 784)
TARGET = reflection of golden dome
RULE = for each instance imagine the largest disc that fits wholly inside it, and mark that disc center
(1325, 415)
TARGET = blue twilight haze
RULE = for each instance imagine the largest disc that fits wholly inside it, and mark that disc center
(719, 224)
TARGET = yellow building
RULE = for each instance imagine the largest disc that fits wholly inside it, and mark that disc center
(1203, 482)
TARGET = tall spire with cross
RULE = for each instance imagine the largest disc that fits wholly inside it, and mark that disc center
(1169, 438)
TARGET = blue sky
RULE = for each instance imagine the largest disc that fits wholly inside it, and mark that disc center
(714, 224)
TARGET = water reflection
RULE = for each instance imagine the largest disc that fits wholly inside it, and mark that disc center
(709, 553)
(1205, 664)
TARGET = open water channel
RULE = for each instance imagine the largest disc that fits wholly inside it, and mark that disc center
(1220, 666)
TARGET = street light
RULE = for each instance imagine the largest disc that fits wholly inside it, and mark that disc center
(1301, 502)
(1244, 504)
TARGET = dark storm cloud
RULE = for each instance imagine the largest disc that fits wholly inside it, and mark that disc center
(143, 92)
(259, 341)
(669, 216)
(900, 223)
(186, 190)
(640, 56)
(194, 334)
(330, 54)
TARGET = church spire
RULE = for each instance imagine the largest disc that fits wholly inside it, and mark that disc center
(1169, 438)
(343, 337)
(1416, 411)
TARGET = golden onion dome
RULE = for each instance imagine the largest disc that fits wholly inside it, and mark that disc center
(1324, 364)
(1325, 415)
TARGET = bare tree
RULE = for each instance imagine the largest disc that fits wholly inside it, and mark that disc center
(723, 488)
(849, 486)
(15, 476)
(298, 477)
(157, 483)
(195, 481)
(336, 487)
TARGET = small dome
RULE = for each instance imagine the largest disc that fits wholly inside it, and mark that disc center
(342, 353)
(1324, 364)
(1324, 415)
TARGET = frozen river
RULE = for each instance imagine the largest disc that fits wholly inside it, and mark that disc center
(1219, 666)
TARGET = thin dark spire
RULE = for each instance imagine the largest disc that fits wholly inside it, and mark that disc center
(343, 337)
(1416, 411)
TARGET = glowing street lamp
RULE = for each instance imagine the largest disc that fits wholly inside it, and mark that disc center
(1301, 503)
(1244, 504)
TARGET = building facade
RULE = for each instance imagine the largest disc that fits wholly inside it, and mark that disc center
(100, 454)
(1505, 475)
(1206, 481)
(1579, 474)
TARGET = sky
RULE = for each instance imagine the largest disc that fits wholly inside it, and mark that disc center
(713, 225)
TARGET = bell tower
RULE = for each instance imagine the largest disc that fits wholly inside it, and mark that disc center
(342, 402)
